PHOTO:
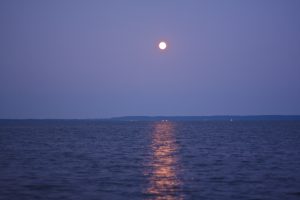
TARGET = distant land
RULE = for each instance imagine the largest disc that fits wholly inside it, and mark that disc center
(174, 118)
(208, 118)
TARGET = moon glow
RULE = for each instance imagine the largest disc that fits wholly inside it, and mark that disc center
(162, 45)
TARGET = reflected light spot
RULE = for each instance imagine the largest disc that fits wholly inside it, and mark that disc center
(164, 181)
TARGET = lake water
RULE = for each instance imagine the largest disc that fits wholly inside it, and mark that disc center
(90, 159)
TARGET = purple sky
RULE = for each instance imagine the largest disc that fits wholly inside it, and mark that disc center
(95, 59)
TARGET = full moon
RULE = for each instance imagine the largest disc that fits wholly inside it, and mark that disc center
(162, 45)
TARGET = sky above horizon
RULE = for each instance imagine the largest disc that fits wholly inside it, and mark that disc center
(97, 59)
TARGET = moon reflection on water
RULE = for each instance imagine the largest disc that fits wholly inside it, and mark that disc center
(164, 164)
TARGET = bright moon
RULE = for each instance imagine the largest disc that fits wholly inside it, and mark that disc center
(162, 45)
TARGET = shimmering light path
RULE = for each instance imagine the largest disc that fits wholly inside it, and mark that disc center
(164, 180)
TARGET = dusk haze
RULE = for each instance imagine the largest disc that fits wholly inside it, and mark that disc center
(99, 59)
(149, 99)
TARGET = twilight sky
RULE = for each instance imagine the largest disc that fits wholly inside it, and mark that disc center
(95, 59)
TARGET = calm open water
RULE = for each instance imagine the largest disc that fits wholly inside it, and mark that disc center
(86, 159)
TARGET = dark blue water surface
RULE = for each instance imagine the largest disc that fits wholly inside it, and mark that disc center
(90, 159)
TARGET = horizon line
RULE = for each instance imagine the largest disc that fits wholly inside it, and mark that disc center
(159, 116)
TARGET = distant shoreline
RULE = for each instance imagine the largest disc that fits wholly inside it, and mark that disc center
(180, 118)
(209, 118)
